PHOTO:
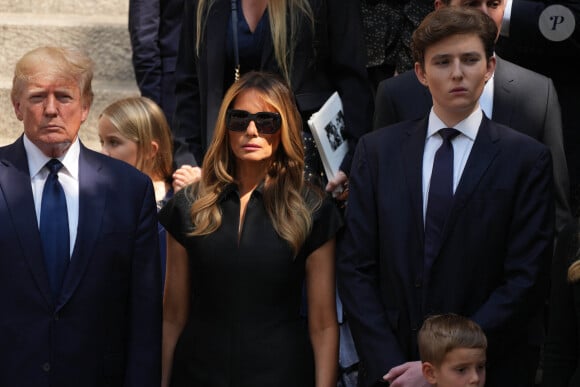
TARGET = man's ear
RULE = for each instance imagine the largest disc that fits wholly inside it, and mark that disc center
(17, 111)
(439, 4)
(85, 109)
(429, 372)
(491, 63)
(420, 73)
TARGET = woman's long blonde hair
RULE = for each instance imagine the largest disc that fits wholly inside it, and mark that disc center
(284, 182)
(285, 25)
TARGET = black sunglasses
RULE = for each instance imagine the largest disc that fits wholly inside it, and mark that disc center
(266, 122)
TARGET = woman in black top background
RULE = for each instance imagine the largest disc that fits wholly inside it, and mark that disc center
(317, 46)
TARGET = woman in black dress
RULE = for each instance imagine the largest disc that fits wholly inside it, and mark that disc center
(240, 244)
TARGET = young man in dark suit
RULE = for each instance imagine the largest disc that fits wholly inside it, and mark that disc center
(80, 284)
(519, 98)
(448, 213)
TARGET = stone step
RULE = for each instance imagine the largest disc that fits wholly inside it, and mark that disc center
(93, 7)
(105, 93)
(104, 37)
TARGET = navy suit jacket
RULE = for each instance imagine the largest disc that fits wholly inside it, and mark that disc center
(523, 100)
(105, 328)
(493, 259)
(333, 59)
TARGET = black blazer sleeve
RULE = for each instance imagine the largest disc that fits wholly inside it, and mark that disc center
(359, 270)
(144, 22)
(187, 120)
(348, 71)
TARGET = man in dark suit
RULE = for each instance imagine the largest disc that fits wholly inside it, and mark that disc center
(516, 97)
(79, 262)
(544, 36)
(474, 238)
(154, 28)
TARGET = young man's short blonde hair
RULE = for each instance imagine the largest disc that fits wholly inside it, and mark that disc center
(443, 333)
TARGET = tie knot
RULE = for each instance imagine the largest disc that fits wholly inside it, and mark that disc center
(54, 166)
(448, 134)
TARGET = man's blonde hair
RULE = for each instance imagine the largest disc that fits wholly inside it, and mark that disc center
(57, 62)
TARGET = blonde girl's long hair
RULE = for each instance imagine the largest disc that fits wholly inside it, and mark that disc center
(283, 196)
(142, 121)
(286, 23)
(55, 61)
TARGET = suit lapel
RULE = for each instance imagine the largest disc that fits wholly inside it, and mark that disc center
(503, 93)
(484, 151)
(16, 187)
(413, 149)
(215, 36)
(92, 198)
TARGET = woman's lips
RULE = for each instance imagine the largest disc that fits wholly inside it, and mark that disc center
(251, 146)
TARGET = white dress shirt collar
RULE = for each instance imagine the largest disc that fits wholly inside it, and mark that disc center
(468, 127)
(37, 160)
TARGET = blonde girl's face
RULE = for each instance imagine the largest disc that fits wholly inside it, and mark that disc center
(114, 144)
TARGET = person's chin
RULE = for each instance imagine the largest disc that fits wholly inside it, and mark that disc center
(463, 105)
(56, 148)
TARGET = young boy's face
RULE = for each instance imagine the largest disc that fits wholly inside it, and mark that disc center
(461, 367)
(455, 71)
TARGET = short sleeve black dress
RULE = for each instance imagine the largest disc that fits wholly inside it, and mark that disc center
(244, 326)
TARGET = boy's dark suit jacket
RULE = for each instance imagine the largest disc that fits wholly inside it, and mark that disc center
(105, 329)
(494, 255)
(523, 100)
